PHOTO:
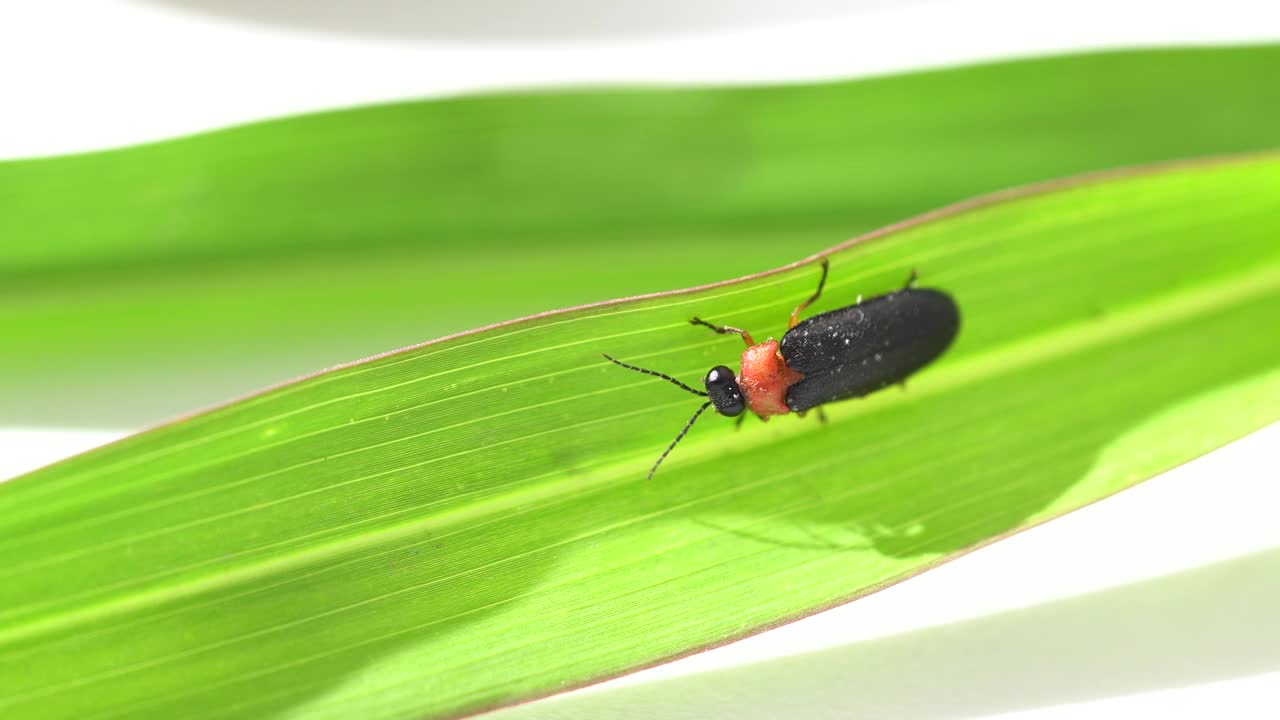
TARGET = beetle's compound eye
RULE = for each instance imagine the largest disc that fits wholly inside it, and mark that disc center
(722, 388)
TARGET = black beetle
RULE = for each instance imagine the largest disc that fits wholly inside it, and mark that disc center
(836, 355)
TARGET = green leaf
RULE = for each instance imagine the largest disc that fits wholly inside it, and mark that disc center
(198, 269)
(463, 524)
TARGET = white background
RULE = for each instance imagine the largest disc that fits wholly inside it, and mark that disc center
(1161, 602)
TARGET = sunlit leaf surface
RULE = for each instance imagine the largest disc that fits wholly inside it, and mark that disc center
(464, 524)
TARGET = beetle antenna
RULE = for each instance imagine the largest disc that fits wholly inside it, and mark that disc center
(679, 437)
(668, 378)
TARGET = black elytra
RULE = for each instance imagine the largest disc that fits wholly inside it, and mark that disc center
(856, 350)
(845, 353)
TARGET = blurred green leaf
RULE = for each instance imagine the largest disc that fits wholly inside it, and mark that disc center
(462, 525)
(193, 270)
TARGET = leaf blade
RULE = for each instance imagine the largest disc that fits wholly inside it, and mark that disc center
(402, 594)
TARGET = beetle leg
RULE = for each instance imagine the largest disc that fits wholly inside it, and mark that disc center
(911, 280)
(725, 330)
(822, 416)
(795, 314)
(741, 419)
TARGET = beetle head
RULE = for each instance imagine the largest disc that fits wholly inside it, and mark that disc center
(722, 388)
